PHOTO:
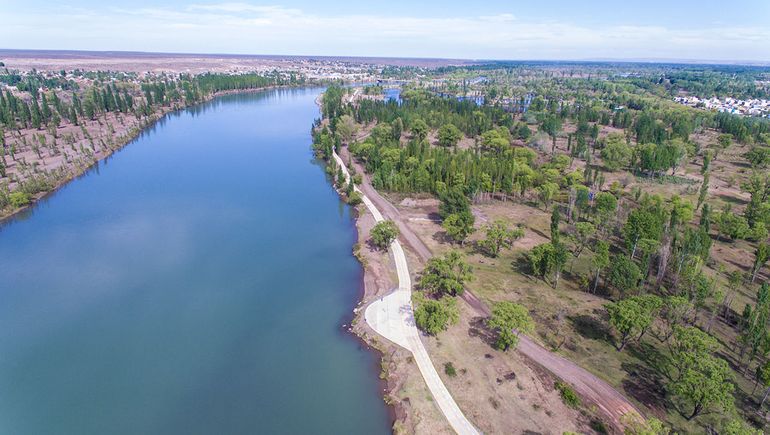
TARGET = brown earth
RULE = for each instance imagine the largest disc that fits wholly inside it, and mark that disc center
(55, 60)
(610, 402)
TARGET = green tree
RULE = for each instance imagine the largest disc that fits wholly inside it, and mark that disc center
(704, 190)
(676, 311)
(523, 132)
(449, 135)
(642, 223)
(459, 226)
(551, 125)
(616, 153)
(346, 128)
(555, 219)
(761, 255)
(546, 192)
(453, 201)
(624, 274)
(493, 140)
(384, 233)
(446, 275)
(546, 259)
(631, 317)
(499, 236)
(434, 316)
(584, 231)
(708, 156)
(739, 427)
(724, 141)
(509, 320)
(705, 386)
(605, 205)
(731, 225)
(419, 129)
(688, 347)
(651, 426)
(331, 101)
(758, 156)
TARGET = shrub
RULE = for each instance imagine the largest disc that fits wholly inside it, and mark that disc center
(384, 233)
(450, 370)
(509, 320)
(568, 395)
(446, 275)
(434, 316)
(354, 198)
(19, 199)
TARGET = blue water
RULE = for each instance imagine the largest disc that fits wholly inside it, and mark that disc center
(392, 94)
(194, 283)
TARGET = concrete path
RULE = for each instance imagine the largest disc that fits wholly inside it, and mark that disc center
(614, 405)
(393, 318)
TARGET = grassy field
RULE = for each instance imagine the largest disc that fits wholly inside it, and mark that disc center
(572, 321)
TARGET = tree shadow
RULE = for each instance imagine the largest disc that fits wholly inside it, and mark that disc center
(477, 247)
(651, 357)
(442, 237)
(643, 384)
(521, 265)
(479, 329)
(541, 234)
(732, 199)
(590, 327)
(373, 247)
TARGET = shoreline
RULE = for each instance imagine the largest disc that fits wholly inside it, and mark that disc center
(400, 414)
(349, 323)
(76, 172)
(351, 320)
(359, 331)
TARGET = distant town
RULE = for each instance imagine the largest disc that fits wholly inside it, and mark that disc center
(753, 107)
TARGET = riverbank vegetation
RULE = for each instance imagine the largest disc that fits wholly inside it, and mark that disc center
(631, 229)
(53, 126)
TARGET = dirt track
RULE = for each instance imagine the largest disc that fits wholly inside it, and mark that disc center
(611, 402)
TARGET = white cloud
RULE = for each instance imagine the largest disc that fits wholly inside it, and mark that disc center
(238, 27)
(500, 18)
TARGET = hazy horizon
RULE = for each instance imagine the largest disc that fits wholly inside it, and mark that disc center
(684, 31)
(673, 61)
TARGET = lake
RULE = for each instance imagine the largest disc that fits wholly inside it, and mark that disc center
(194, 283)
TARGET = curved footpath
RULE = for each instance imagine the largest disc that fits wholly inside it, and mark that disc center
(609, 400)
(393, 318)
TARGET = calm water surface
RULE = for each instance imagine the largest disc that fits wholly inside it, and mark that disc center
(195, 283)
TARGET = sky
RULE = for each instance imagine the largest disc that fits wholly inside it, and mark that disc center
(737, 30)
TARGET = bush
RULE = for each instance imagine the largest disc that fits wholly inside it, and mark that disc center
(509, 320)
(354, 198)
(384, 233)
(434, 316)
(19, 199)
(450, 370)
(568, 395)
(446, 275)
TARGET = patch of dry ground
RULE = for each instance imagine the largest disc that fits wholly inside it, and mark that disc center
(406, 390)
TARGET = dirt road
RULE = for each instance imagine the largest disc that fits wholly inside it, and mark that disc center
(611, 402)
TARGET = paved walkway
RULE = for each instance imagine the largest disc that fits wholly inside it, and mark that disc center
(608, 399)
(393, 318)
